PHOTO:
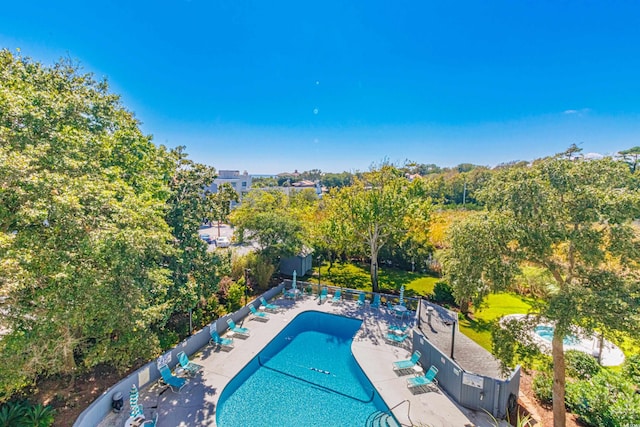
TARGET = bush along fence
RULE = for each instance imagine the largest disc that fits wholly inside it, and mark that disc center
(149, 373)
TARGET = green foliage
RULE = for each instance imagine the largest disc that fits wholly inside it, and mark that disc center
(24, 414)
(380, 207)
(443, 294)
(194, 270)
(512, 343)
(235, 296)
(497, 305)
(168, 338)
(82, 233)
(571, 217)
(267, 218)
(221, 202)
(631, 369)
(581, 365)
(12, 414)
(533, 282)
(356, 276)
(261, 269)
(543, 387)
(39, 416)
(98, 227)
(331, 180)
(607, 399)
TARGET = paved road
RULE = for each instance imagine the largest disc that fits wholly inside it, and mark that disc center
(226, 231)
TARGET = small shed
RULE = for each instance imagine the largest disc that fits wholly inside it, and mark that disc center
(301, 263)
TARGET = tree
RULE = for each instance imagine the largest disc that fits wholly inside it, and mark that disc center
(193, 269)
(272, 221)
(82, 235)
(571, 217)
(631, 156)
(222, 203)
(374, 211)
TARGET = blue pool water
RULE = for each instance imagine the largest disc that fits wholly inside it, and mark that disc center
(546, 333)
(306, 376)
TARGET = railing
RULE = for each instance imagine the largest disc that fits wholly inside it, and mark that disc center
(349, 294)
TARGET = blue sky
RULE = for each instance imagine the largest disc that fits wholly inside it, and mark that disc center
(273, 86)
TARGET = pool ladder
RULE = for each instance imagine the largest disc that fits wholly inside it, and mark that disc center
(381, 419)
(386, 419)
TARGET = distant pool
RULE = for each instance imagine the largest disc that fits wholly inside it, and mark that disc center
(546, 333)
(306, 376)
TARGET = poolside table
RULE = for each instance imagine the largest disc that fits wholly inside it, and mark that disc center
(417, 369)
(296, 293)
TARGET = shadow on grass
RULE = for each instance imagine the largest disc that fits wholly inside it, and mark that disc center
(357, 276)
(480, 325)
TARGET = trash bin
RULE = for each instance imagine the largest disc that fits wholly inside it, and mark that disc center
(117, 402)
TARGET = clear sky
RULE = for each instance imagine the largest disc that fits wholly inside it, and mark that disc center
(272, 86)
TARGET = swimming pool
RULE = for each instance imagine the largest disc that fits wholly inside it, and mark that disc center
(306, 376)
(546, 333)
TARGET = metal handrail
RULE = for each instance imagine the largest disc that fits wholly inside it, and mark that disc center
(408, 409)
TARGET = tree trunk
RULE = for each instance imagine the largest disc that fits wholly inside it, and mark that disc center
(374, 275)
(218, 228)
(559, 410)
(601, 342)
(464, 306)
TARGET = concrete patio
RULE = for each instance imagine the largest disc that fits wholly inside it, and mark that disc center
(196, 404)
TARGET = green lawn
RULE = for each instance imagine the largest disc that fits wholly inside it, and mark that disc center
(356, 276)
(495, 306)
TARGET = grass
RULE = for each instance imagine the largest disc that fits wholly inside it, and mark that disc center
(494, 307)
(357, 276)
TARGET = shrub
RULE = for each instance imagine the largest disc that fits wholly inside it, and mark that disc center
(581, 365)
(168, 338)
(261, 269)
(24, 414)
(631, 369)
(234, 296)
(543, 387)
(12, 413)
(443, 293)
(607, 399)
(39, 416)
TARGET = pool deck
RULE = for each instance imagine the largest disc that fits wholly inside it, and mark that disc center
(196, 404)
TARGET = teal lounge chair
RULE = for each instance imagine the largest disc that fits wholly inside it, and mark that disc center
(237, 330)
(396, 328)
(323, 294)
(189, 367)
(171, 380)
(401, 365)
(427, 381)
(152, 422)
(361, 300)
(268, 307)
(376, 301)
(337, 296)
(258, 315)
(223, 343)
(396, 339)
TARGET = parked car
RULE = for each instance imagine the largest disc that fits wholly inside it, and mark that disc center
(207, 238)
(222, 242)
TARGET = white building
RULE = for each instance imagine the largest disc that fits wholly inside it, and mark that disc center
(240, 182)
